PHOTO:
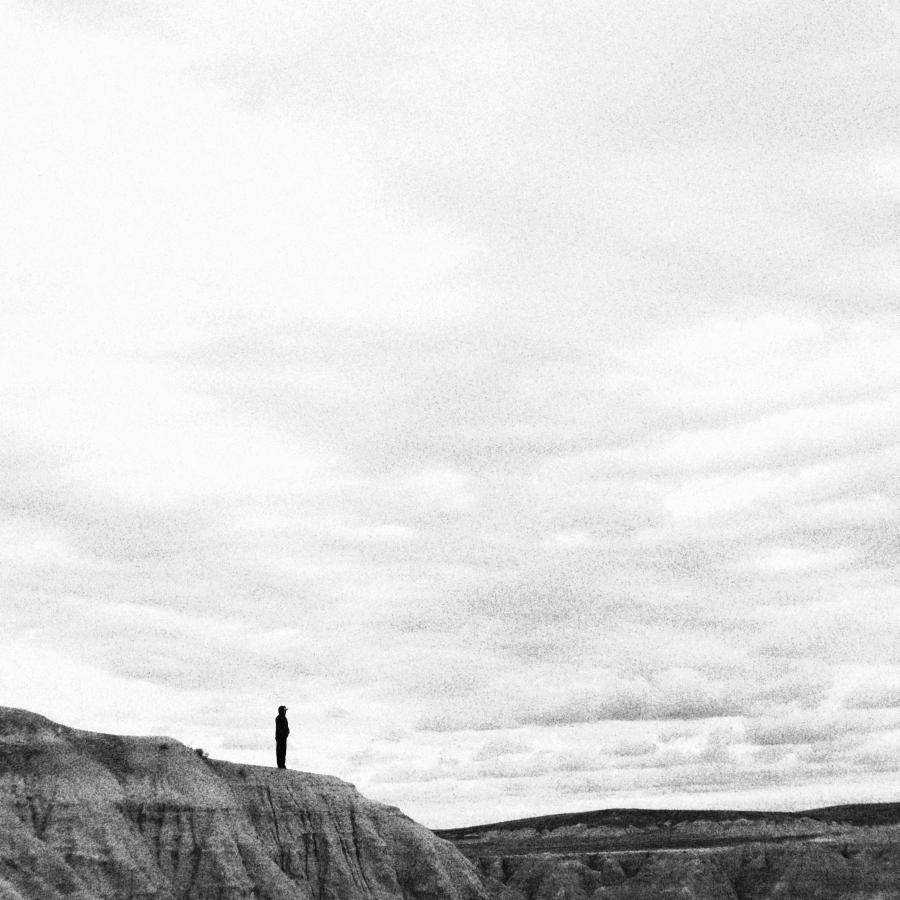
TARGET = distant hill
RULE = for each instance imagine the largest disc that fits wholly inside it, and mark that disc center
(833, 853)
(858, 814)
(854, 814)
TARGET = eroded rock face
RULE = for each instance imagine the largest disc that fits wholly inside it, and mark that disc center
(87, 816)
(800, 870)
(792, 856)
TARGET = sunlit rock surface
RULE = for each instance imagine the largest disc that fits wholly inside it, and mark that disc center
(86, 816)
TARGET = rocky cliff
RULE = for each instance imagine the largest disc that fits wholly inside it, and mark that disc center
(86, 816)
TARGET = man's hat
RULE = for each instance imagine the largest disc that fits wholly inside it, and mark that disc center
(282, 709)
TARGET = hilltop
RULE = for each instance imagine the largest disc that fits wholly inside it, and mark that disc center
(89, 816)
(629, 821)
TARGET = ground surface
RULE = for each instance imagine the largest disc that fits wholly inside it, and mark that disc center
(626, 854)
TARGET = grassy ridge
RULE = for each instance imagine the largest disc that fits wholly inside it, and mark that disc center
(851, 814)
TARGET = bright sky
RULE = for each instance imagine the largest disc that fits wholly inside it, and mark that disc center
(511, 389)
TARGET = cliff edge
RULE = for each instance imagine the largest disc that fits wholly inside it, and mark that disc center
(87, 816)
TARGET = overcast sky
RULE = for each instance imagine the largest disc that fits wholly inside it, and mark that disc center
(511, 389)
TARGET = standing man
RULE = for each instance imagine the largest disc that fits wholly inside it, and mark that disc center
(281, 735)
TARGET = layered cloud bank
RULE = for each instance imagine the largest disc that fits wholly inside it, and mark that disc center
(510, 391)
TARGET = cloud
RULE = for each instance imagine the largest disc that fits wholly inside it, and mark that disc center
(795, 732)
(518, 379)
(873, 696)
(669, 695)
(500, 747)
(631, 705)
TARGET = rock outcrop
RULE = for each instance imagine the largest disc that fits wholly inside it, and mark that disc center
(86, 816)
(835, 854)
(803, 871)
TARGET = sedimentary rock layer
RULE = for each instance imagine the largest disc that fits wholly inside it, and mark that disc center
(635, 854)
(87, 816)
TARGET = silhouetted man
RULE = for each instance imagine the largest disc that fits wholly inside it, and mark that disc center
(281, 735)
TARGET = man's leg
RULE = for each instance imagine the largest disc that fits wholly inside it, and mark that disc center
(280, 752)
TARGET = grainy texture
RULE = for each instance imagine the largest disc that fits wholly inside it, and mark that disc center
(638, 854)
(87, 816)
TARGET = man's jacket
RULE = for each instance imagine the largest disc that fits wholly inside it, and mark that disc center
(281, 728)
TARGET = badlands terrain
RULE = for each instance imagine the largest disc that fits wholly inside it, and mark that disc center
(86, 816)
(627, 854)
